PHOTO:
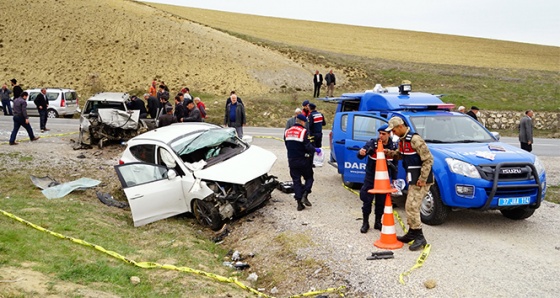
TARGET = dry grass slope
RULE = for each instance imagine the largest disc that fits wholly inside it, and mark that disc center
(122, 45)
(397, 45)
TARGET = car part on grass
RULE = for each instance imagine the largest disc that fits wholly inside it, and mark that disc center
(43, 182)
(61, 190)
(108, 200)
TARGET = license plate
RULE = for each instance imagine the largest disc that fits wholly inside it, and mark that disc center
(514, 201)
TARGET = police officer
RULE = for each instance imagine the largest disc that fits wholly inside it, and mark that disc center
(418, 161)
(300, 159)
(370, 149)
(316, 123)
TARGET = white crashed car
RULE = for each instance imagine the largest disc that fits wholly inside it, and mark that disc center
(199, 168)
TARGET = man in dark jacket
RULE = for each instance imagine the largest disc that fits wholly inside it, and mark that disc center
(6, 103)
(526, 131)
(300, 158)
(370, 150)
(317, 83)
(138, 104)
(235, 115)
(316, 123)
(153, 105)
(331, 81)
(473, 112)
(42, 103)
(21, 118)
(16, 89)
(192, 114)
(180, 108)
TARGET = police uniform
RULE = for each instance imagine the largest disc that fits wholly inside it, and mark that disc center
(418, 161)
(300, 158)
(316, 123)
(371, 152)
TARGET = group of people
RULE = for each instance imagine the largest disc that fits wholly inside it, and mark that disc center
(330, 80)
(303, 138)
(186, 108)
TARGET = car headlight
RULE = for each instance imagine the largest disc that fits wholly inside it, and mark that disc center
(539, 166)
(462, 168)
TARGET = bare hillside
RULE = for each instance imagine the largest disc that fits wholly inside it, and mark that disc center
(119, 45)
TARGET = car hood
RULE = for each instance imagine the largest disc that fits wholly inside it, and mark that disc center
(483, 153)
(240, 169)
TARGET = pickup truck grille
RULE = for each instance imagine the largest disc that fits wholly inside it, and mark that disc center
(513, 173)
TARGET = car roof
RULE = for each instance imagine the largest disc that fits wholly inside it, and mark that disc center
(171, 132)
(110, 96)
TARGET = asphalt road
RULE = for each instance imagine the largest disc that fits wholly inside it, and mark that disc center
(541, 148)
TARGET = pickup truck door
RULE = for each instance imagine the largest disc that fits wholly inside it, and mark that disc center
(350, 132)
(153, 193)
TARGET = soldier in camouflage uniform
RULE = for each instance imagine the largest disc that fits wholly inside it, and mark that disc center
(418, 161)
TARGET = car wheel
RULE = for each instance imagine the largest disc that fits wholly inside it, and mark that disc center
(207, 215)
(518, 213)
(351, 185)
(52, 113)
(432, 211)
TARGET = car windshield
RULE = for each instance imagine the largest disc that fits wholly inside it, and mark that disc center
(450, 129)
(93, 105)
(208, 145)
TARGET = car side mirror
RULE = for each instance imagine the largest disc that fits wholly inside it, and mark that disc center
(171, 174)
(496, 135)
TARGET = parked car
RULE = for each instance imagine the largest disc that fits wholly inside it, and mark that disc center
(198, 168)
(472, 168)
(106, 117)
(62, 102)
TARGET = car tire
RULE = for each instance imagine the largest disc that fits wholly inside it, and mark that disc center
(432, 210)
(52, 113)
(207, 214)
(518, 213)
(351, 185)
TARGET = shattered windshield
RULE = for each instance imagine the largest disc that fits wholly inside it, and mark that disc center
(450, 129)
(208, 145)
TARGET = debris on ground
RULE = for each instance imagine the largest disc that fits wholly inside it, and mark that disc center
(52, 189)
(43, 182)
(108, 200)
(430, 284)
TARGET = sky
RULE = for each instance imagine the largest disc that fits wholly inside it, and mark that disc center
(528, 21)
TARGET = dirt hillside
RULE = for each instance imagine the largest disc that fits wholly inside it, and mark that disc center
(120, 45)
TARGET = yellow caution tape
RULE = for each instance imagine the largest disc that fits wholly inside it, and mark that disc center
(419, 262)
(425, 251)
(152, 265)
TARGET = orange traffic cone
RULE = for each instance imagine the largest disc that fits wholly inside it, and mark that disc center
(388, 239)
(381, 183)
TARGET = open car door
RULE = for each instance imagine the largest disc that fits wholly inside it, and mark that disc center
(356, 128)
(153, 191)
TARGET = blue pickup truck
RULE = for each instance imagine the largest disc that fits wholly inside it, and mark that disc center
(472, 168)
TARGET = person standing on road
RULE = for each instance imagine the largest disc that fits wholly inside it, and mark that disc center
(192, 113)
(331, 81)
(461, 109)
(300, 159)
(317, 83)
(305, 108)
(526, 131)
(316, 123)
(180, 107)
(235, 115)
(418, 161)
(168, 118)
(5, 96)
(138, 104)
(16, 89)
(370, 149)
(228, 100)
(473, 112)
(292, 121)
(42, 103)
(21, 119)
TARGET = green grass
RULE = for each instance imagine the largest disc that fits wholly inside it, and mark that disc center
(176, 241)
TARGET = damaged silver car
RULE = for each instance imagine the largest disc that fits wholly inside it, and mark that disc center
(105, 117)
(198, 168)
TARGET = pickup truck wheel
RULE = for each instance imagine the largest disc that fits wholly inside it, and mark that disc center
(518, 213)
(432, 211)
(207, 215)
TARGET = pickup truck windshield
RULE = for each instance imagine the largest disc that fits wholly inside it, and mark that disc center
(450, 129)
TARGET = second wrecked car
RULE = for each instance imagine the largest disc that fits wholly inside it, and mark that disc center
(199, 168)
(105, 117)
